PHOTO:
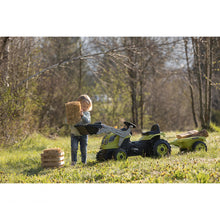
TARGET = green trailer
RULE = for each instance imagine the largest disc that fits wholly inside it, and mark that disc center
(196, 143)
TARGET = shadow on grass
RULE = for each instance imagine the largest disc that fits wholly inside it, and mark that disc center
(37, 170)
(92, 163)
(33, 171)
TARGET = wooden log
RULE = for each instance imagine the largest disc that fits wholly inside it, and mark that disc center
(51, 150)
(186, 134)
(193, 133)
(50, 163)
(53, 153)
(52, 156)
(52, 159)
(73, 112)
(203, 133)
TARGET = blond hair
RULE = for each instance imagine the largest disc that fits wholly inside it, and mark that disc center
(86, 98)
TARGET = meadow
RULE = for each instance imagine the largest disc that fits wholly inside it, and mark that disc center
(21, 163)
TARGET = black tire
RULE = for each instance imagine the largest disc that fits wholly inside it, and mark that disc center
(109, 155)
(161, 148)
(101, 156)
(120, 154)
(199, 145)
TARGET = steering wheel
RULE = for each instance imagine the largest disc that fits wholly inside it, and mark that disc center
(128, 124)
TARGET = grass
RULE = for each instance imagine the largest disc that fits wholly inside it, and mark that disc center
(21, 164)
(214, 127)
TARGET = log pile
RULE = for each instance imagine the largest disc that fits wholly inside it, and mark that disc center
(52, 158)
(73, 112)
(193, 133)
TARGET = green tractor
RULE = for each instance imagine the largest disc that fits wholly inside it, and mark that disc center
(116, 143)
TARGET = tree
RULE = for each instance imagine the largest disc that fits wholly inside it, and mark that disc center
(61, 84)
(137, 59)
(17, 104)
(190, 82)
(203, 56)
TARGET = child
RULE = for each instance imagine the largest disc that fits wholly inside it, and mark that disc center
(86, 106)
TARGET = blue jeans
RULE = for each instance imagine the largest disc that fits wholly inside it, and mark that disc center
(83, 147)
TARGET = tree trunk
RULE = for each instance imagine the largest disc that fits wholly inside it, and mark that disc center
(133, 82)
(4, 62)
(80, 68)
(5, 40)
(197, 54)
(134, 102)
(142, 104)
(209, 86)
(190, 85)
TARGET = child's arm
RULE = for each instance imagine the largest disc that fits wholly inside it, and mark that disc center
(86, 118)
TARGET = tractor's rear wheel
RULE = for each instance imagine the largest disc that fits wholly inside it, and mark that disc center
(199, 145)
(120, 154)
(161, 148)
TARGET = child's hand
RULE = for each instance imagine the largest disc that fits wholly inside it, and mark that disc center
(81, 113)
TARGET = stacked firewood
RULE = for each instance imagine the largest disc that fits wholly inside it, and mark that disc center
(52, 158)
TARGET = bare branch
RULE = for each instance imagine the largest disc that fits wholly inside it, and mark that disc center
(71, 59)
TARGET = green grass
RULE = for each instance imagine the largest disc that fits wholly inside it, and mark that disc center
(21, 163)
(214, 127)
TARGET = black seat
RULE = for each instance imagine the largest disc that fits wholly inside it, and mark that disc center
(155, 129)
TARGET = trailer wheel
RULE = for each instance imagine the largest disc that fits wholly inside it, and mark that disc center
(161, 148)
(120, 154)
(199, 145)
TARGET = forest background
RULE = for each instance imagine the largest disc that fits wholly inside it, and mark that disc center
(172, 81)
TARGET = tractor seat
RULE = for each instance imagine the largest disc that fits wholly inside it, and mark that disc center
(155, 129)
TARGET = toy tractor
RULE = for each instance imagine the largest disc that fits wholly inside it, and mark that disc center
(116, 143)
(191, 141)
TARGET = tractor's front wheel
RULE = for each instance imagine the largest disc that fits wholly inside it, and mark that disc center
(199, 145)
(161, 148)
(101, 156)
(120, 154)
